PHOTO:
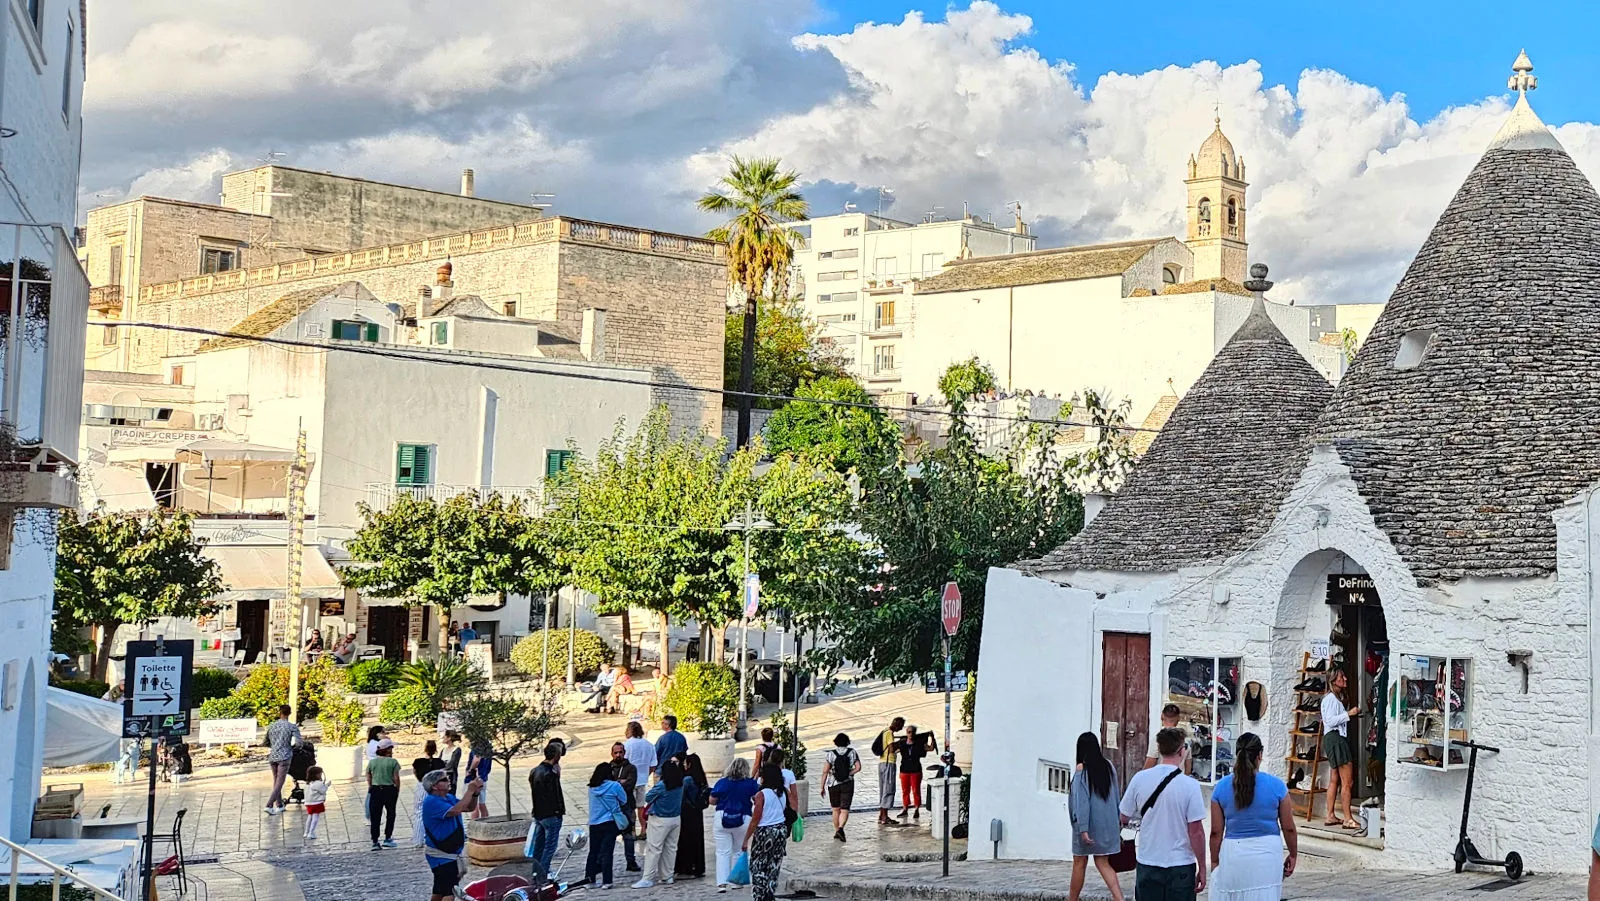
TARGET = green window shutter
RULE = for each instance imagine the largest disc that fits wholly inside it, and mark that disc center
(441, 333)
(372, 332)
(553, 463)
(423, 473)
(405, 464)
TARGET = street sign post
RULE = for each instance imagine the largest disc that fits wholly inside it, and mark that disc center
(157, 675)
(950, 616)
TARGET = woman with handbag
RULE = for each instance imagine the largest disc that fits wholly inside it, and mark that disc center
(1096, 826)
(607, 819)
(1252, 819)
(767, 836)
(734, 794)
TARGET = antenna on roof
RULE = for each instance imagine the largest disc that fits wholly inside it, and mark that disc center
(540, 200)
(932, 215)
(884, 190)
(271, 156)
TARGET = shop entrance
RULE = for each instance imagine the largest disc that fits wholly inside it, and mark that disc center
(1125, 700)
(389, 627)
(252, 629)
(1359, 645)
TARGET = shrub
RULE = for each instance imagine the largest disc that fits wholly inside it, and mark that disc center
(370, 677)
(969, 701)
(704, 697)
(794, 751)
(267, 686)
(227, 707)
(445, 682)
(408, 705)
(90, 687)
(210, 682)
(590, 651)
(340, 719)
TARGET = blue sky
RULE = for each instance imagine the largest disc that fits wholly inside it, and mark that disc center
(1437, 54)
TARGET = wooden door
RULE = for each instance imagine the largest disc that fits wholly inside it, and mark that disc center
(252, 629)
(389, 627)
(1125, 701)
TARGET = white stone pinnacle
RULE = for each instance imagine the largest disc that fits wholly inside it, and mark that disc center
(1523, 130)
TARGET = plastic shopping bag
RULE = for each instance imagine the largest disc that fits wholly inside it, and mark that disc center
(740, 874)
(797, 832)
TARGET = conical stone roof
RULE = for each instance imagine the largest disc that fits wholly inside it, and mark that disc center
(1210, 480)
(1463, 457)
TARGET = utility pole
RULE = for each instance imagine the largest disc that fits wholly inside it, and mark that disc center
(296, 556)
(544, 668)
(747, 523)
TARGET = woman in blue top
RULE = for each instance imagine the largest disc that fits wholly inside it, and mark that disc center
(607, 801)
(734, 794)
(1096, 823)
(1251, 821)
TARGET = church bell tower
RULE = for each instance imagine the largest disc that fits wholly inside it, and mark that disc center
(1216, 229)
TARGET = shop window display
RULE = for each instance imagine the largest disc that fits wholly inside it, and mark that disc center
(1206, 690)
(1433, 698)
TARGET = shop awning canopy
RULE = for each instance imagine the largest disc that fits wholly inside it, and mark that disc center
(118, 488)
(79, 729)
(214, 450)
(261, 573)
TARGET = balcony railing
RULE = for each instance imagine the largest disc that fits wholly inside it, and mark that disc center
(381, 495)
(45, 872)
(106, 299)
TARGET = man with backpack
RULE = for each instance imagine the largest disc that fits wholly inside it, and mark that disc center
(839, 768)
(443, 831)
(888, 767)
(1170, 811)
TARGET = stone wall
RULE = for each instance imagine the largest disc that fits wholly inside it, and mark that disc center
(663, 310)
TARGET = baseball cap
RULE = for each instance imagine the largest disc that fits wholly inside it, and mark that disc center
(385, 743)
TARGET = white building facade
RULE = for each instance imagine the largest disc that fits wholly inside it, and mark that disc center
(855, 272)
(1429, 531)
(46, 298)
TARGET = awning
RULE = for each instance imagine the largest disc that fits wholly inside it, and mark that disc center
(143, 453)
(118, 488)
(79, 729)
(213, 450)
(261, 572)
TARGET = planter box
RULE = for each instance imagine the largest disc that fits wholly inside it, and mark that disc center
(715, 753)
(342, 764)
(961, 744)
(496, 840)
(802, 787)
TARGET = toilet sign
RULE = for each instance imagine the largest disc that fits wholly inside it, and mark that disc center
(950, 608)
(157, 686)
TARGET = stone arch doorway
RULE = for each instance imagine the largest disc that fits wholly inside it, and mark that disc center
(1330, 596)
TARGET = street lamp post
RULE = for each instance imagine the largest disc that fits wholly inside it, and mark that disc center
(747, 523)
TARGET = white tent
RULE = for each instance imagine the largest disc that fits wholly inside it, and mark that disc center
(79, 729)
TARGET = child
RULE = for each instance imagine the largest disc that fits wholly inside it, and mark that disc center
(316, 800)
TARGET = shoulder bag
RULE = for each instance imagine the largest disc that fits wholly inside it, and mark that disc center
(1126, 858)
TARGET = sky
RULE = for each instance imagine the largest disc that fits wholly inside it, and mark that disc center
(1357, 121)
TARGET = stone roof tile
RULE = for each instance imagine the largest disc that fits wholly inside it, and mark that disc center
(1038, 267)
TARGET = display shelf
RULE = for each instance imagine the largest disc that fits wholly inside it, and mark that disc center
(1206, 691)
(1432, 713)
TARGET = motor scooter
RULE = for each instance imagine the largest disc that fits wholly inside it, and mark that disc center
(526, 880)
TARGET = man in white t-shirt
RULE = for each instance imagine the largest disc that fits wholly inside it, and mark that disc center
(1172, 840)
(642, 754)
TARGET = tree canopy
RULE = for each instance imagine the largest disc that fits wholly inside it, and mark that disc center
(844, 438)
(966, 379)
(788, 353)
(758, 196)
(130, 568)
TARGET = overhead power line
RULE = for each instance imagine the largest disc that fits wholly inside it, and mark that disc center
(397, 352)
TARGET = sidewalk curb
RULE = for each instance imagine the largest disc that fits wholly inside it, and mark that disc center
(839, 886)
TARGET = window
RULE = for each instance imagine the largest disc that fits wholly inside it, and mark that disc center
(852, 232)
(1414, 345)
(215, 259)
(883, 315)
(346, 330)
(116, 265)
(883, 358)
(108, 336)
(441, 333)
(884, 266)
(1206, 691)
(838, 275)
(841, 297)
(66, 75)
(556, 462)
(510, 308)
(1233, 211)
(1204, 208)
(36, 14)
(836, 318)
(849, 253)
(1171, 275)
(1056, 777)
(932, 263)
(176, 376)
(413, 464)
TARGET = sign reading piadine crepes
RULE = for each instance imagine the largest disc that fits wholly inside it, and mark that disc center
(1352, 589)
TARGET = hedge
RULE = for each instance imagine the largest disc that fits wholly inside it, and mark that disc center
(592, 650)
(704, 697)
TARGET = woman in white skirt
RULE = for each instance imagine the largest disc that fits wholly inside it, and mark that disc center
(1251, 822)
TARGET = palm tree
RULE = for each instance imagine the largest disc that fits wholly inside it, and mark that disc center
(758, 197)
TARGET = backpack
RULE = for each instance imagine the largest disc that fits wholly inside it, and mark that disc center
(840, 764)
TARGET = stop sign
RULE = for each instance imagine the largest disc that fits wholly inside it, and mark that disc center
(950, 608)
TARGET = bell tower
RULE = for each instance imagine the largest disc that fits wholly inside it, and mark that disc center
(1216, 218)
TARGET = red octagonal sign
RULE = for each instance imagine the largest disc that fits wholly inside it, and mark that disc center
(950, 608)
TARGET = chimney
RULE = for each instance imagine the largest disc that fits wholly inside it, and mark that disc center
(592, 342)
(468, 186)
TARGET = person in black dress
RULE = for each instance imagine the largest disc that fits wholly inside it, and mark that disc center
(691, 862)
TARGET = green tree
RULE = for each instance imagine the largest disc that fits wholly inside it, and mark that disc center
(759, 198)
(508, 726)
(130, 568)
(843, 438)
(788, 353)
(967, 379)
(428, 552)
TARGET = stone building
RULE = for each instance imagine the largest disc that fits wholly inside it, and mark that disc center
(1429, 531)
(663, 296)
(268, 215)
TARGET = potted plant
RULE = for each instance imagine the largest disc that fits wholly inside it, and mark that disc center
(961, 741)
(705, 699)
(340, 754)
(794, 753)
(509, 727)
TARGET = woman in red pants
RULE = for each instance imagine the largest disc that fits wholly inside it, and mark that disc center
(913, 747)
